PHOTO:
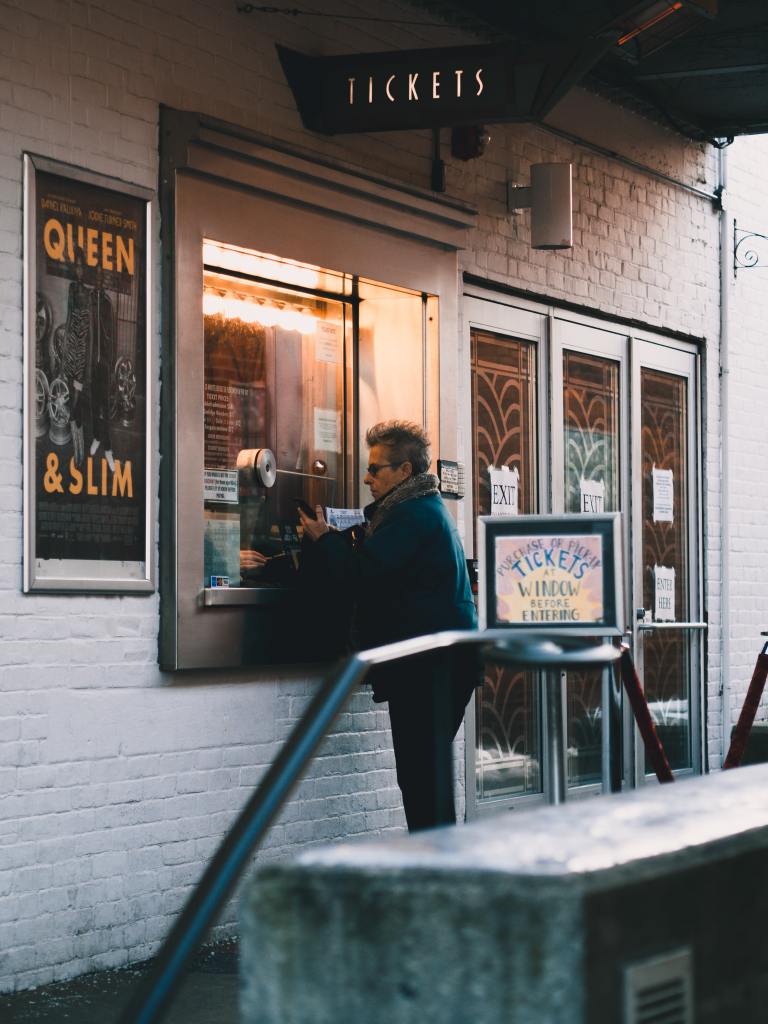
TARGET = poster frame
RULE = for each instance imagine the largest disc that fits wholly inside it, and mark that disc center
(82, 575)
(607, 525)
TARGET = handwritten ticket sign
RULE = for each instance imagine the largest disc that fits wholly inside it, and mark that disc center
(551, 572)
(556, 578)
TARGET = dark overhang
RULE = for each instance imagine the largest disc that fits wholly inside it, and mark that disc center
(699, 65)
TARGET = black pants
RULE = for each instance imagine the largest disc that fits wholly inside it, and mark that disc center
(100, 404)
(425, 718)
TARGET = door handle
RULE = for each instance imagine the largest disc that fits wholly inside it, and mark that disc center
(672, 625)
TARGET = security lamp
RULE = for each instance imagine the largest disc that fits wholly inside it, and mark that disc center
(550, 199)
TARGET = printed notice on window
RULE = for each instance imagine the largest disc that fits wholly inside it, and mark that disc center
(327, 348)
(327, 430)
(663, 488)
(221, 547)
(220, 485)
(592, 496)
(505, 487)
(664, 589)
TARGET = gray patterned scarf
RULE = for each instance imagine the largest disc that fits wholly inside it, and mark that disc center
(418, 486)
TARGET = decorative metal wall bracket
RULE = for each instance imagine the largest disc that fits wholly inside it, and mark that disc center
(750, 249)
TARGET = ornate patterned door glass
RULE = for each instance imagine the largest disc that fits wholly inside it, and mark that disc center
(666, 653)
(504, 424)
(591, 446)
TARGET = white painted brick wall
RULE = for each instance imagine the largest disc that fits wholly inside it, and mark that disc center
(116, 781)
(748, 495)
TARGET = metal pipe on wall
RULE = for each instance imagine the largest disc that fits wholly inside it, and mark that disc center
(725, 562)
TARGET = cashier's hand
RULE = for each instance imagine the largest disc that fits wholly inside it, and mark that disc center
(252, 559)
(314, 528)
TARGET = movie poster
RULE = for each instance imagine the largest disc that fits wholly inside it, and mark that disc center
(87, 276)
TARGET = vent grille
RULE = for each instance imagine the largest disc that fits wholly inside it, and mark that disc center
(660, 991)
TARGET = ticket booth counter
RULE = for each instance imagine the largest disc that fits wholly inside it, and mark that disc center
(303, 304)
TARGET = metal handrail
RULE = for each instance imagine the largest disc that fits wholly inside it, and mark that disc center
(157, 988)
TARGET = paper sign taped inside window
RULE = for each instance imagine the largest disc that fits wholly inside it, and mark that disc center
(592, 496)
(327, 430)
(664, 593)
(663, 496)
(505, 487)
(327, 348)
(220, 485)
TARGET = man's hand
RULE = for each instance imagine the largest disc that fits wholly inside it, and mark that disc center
(314, 528)
(252, 559)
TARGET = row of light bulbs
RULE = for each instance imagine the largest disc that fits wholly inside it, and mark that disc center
(251, 311)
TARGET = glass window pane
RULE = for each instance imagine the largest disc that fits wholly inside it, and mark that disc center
(508, 734)
(274, 360)
(591, 410)
(591, 445)
(504, 418)
(666, 653)
(391, 361)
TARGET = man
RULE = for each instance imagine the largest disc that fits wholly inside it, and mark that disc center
(77, 352)
(408, 578)
(103, 356)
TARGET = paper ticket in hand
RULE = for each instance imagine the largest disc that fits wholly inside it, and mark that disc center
(343, 518)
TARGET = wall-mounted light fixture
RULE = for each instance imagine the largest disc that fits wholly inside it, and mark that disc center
(550, 199)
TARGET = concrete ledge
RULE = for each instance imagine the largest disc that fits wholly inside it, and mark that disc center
(529, 917)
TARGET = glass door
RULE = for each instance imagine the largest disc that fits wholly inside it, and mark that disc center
(590, 443)
(504, 415)
(667, 592)
(625, 439)
(506, 380)
(594, 420)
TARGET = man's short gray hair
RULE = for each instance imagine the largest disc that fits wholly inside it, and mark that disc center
(405, 440)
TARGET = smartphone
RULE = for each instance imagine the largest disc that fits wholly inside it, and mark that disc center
(305, 508)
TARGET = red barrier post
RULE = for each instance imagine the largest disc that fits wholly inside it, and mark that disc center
(645, 724)
(748, 711)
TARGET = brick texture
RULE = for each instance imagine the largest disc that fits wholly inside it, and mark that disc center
(116, 781)
(748, 451)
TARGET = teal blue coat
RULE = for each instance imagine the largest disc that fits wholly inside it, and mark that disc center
(406, 579)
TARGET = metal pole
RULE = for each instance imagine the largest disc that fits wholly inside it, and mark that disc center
(749, 710)
(611, 732)
(554, 682)
(645, 724)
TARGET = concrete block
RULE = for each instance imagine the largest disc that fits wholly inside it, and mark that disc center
(526, 919)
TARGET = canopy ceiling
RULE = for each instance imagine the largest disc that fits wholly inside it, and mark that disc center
(699, 65)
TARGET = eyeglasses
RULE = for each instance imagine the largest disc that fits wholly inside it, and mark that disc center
(374, 467)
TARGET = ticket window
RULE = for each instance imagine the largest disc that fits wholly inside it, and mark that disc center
(291, 323)
(276, 342)
(298, 362)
